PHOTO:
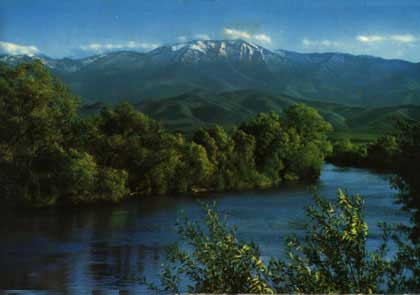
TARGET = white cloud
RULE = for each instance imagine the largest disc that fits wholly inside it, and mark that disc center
(407, 38)
(15, 49)
(370, 38)
(236, 34)
(328, 43)
(202, 36)
(399, 38)
(320, 43)
(306, 42)
(263, 38)
(101, 47)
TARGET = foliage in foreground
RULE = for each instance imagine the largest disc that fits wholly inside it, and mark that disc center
(219, 262)
(332, 257)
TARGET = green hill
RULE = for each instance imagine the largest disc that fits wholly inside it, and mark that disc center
(199, 108)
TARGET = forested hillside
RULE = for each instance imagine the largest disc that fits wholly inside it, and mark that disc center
(199, 108)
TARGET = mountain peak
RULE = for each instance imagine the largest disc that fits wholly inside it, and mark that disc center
(208, 50)
(226, 65)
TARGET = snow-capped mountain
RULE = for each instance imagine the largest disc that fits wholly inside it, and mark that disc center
(188, 53)
(225, 65)
(210, 50)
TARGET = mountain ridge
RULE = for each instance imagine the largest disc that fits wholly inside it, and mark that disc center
(230, 65)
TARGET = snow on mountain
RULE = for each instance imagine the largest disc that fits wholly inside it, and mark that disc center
(226, 65)
(192, 52)
(210, 50)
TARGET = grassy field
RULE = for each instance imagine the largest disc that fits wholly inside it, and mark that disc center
(356, 136)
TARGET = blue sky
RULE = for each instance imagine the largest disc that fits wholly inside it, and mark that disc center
(58, 28)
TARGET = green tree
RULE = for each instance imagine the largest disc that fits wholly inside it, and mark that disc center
(310, 125)
(220, 147)
(49, 154)
(219, 262)
(332, 258)
(86, 182)
(265, 128)
(289, 148)
(244, 160)
(347, 153)
(195, 169)
(36, 114)
(127, 139)
(405, 267)
(43, 143)
(384, 152)
(407, 172)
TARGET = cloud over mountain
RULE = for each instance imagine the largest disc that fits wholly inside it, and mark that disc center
(132, 45)
(16, 49)
(238, 34)
(399, 38)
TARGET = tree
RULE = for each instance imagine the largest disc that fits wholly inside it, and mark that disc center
(309, 124)
(220, 147)
(347, 153)
(42, 143)
(331, 258)
(384, 152)
(86, 182)
(265, 128)
(127, 139)
(407, 172)
(36, 113)
(195, 169)
(49, 154)
(289, 148)
(244, 160)
(219, 262)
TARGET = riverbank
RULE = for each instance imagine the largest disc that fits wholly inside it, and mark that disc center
(74, 251)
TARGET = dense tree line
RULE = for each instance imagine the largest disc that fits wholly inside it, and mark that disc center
(50, 154)
(383, 153)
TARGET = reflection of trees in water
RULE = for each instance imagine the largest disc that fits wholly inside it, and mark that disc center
(114, 255)
(77, 249)
(121, 265)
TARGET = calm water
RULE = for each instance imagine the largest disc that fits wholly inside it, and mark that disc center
(111, 248)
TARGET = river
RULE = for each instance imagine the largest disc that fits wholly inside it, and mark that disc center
(75, 251)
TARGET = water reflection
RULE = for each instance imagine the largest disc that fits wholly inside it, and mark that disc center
(75, 251)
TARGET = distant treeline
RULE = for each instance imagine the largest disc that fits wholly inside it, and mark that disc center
(398, 153)
(49, 154)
